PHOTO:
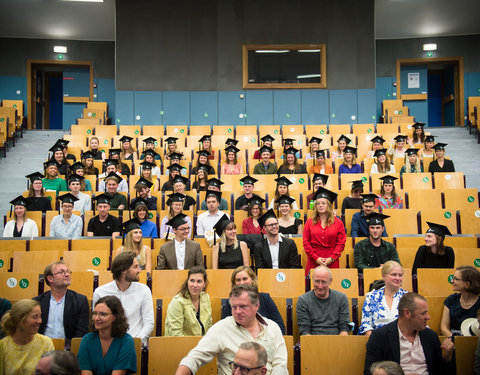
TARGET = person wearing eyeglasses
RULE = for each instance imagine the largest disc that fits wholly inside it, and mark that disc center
(251, 359)
(64, 311)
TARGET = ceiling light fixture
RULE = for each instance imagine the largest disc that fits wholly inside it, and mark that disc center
(430, 47)
(60, 49)
(272, 51)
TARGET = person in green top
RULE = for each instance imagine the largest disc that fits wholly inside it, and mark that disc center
(118, 201)
(265, 166)
(51, 180)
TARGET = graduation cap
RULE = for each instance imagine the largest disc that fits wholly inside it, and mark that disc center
(171, 140)
(316, 140)
(418, 125)
(344, 138)
(175, 197)
(320, 153)
(401, 138)
(68, 198)
(368, 198)
(430, 138)
(35, 176)
(62, 142)
(19, 201)
(211, 193)
(350, 150)
(285, 199)
(231, 142)
(130, 225)
(264, 148)
(114, 176)
(291, 150)
(152, 153)
(126, 138)
(283, 181)
(288, 141)
(175, 168)
(267, 215)
(376, 219)
(75, 178)
(139, 201)
(215, 182)
(147, 165)
(248, 180)
(175, 156)
(232, 148)
(177, 220)
(255, 200)
(88, 155)
(75, 166)
(56, 147)
(143, 182)
(109, 162)
(179, 178)
(411, 151)
(438, 229)
(325, 193)
(102, 199)
(388, 179)
(380, 152)
(319, 176)
(150, 140)
(114, 151)
(51, 162)
(377, 139)
(439, 146)
(267, 138)
(203, 168)
(221, 224)
(357, 184)
(206, 137)
(203, 153)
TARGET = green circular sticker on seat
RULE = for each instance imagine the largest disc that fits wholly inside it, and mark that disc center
(322, 131)
(2, 119)
(150, 215)
(426, 179)
(346, 283)
(470, 199)
(105, 142)
(1, 263)
(364, 179)
(450, 279)
(182, 131)
(297, 215)
(24, 283)
(275, 131)
(476, 262)
(136, 132)
(94, 114)
(14, 106)
(369, 130)
(89, 131)
(96, 261)
(447, 214)
(301, 180)
(229, 130)
(400, 112)
(253, 140)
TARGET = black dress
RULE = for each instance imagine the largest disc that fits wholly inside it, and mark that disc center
(231, 258)
(426, 259)
(97, 154)
(39, 204)
(447, 166)
(198, 188)
(292, 229)
(209, 167)
(351, 203)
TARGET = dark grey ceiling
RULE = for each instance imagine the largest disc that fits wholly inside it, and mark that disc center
(395, 19)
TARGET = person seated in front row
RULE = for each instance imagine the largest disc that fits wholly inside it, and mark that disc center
(181, 253)
(214, 184)
(359, 221)
(66, 225)
(251, 356)
(103, 224)
(20, 225)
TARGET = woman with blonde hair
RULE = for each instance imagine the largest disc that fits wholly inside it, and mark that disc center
(324, 234)
(172, 148)
(21, 225)
(412, 165)
(377, 144)
(349, 164)
(282, 190)
(342, 142)
(231, 165)
(382, 163)
(134, 244)
(23, 346)
(190, 311)
(313, 147)
(127, 151)
(229, 252)
(175, 203)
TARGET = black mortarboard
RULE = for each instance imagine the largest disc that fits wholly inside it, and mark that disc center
(102, 199)
(126, 138)
(283, 181)
(114, 151)
(418, 125)
(438, 229)
(349, 149)
(179, 178)
(68, 198)
(382, 151)
(388, 179)
(376, 219)
(35, 176)
(291, 150)
(315, 139)
(150, 140)
(267, 215)
(203, 168)
(319, 176)
(139, 201)
(215, 182)
(357, 184)
(368, 198)
(221, 224)
(130, 225)
(411, 151)
(175, 155)
(19, 201)
(285, 199)
(439, 146)
(344, 138)
(401, 138)
(267, 138)
(152, 153)
(255, 200)
(288, 141)
(109, 162)
(175, 168)
(147, 165)
(320, 153)
(75, 178)
(430, 138)
(175, 197)
(115, 176)
(264, 148)
(215, 193)
(231, 142)
(144, 182)
(171, 140)
(248, 180)
(325, 193)
(51, 162)
(203, 153)
(76, 166)
(56, 147)
(231, 149)
(177, 220)
(88, 155)
(62, 142)
(377, 139)
(206, 137)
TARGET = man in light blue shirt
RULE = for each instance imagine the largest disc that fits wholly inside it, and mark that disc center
(66, 225)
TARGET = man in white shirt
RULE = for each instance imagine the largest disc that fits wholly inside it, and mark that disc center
(111, 165)
(181, 253)
(136, 297)
(66, 225)
(208, 219)
(224, 338)
(84, 202)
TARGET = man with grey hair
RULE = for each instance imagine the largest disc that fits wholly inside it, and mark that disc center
(58, 362)
(323, 311)
(251, 359)
(409, 342)
(224, 338)
(386, 368)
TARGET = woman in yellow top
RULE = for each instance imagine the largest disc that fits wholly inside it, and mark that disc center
(190, 312)
(23, 346)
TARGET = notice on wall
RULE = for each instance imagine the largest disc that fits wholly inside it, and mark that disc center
(414, 80)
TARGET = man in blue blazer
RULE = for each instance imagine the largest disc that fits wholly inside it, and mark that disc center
(359, 220)
(65, 313)
(409, 342)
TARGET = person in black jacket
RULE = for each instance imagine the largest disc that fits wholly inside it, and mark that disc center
(440, 164)
(74, 321)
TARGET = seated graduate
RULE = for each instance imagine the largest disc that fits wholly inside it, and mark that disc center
(37, 201)
(440, 164)
(359, 220)
(20, 225)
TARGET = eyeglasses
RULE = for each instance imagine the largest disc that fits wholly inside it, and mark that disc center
(243, 370)
(271, 225)
(63, 273)
(100, 314)
(456, 278)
